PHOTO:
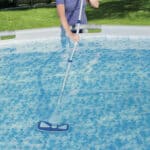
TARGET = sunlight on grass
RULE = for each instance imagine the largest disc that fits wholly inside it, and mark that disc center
(119, 12)
(31, 18)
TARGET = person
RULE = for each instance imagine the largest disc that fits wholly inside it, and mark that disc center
(68, 12)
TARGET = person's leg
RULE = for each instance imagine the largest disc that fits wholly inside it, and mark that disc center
(65, 41)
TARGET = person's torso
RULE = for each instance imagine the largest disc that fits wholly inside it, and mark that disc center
(71, 5)
(72, 8)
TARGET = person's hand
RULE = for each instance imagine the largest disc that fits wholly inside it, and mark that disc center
(94, 3)
(74, 37)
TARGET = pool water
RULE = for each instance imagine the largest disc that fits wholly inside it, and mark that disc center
(106, 100)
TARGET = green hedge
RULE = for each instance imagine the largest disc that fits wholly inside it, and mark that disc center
(19, 3)
(6, 3)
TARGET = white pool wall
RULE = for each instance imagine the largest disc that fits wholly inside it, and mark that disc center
(54, 33)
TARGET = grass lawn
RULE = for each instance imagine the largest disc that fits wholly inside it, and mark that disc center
(119, 12)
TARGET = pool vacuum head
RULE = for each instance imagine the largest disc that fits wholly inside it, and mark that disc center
(46, 126)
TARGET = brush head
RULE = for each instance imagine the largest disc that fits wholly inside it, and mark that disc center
(46, 126)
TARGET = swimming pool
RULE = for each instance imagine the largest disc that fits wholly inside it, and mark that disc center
(106, 100)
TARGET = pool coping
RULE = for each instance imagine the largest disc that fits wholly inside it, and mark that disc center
(54, 33)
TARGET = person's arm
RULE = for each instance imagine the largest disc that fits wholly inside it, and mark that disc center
(94, 3)
(64, 22)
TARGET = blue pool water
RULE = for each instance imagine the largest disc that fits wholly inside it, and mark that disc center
(106, 100)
